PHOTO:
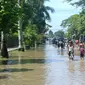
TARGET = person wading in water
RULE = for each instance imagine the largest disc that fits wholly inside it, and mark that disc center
(70, 48)
(82, 50)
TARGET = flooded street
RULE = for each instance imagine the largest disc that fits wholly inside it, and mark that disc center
(46, 65)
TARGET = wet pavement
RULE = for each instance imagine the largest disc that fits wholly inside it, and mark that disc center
(47, 65)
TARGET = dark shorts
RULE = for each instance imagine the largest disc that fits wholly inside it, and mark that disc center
(81, 55)
(70, 53)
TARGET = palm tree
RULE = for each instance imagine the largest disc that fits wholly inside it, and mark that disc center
(35, 12)
(41, 17)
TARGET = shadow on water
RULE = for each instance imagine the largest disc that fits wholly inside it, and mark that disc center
(9, 62)
(15, 70)
(28, 61)
(4, 77)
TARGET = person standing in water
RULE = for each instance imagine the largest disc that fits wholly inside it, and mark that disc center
(77, 43)
(82, 50)
(70, 48)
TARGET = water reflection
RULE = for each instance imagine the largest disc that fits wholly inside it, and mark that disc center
(62, 51)
(4, 62)
(71, 66)
(76, 72)
(59, 51)
(45, 66)
(3, 76)
(82, 65)
(11, 62)
(15, 70)
(29, 61)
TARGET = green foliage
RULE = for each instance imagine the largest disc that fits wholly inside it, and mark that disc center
(59, 33)
(75, 24)
(30, 35)
(79, 3)
(9, 13)
(51, 34)
(34, 12)
(41, 14)
(28, 12)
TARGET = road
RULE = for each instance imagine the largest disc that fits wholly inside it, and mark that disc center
(46, 65)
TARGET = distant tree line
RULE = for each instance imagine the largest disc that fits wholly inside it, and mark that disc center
(75, 24)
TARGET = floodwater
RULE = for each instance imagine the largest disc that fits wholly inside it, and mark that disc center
(47, 65)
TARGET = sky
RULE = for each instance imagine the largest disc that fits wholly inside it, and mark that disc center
(63, 10)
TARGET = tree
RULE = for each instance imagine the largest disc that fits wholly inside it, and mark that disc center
(39, 15)
(30, 35)
(34, 12)
(73, 25)
(79, 3)
(60, 34)
(51, 34)
(79, 26)
(9, 12)
(28, 12)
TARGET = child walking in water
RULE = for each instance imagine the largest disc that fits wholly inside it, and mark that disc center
(71, 50)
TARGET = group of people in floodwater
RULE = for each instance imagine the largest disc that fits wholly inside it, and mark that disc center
(79, 45)
(70, 47)
(59, 43)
